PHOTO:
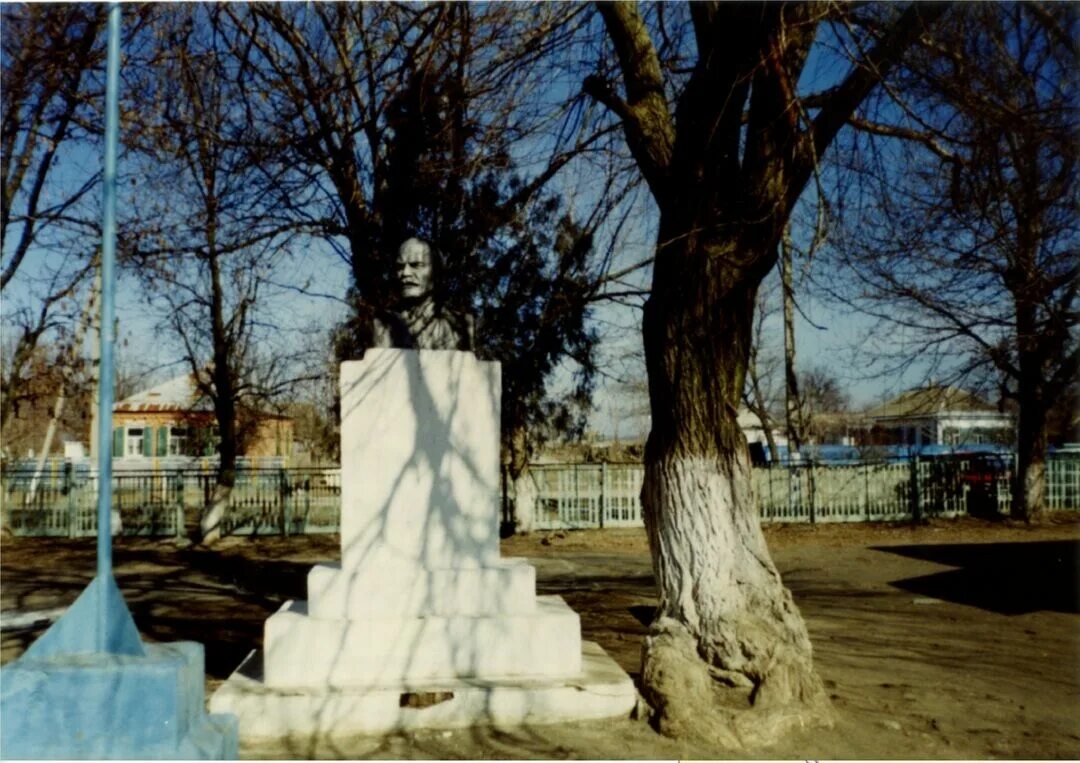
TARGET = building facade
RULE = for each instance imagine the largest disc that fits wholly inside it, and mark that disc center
(171, 421)
(939, 415)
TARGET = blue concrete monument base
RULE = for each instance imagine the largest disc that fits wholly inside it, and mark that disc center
(66, 698)
(110, 706)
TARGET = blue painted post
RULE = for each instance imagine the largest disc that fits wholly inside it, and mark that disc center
(108, 309)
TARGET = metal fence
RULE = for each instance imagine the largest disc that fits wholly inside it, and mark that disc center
(587, 495)
(607, 495)
(62, 499)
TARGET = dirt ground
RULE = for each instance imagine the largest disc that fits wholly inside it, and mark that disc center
(955, 639)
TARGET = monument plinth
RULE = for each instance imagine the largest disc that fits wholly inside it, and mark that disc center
(421, 603)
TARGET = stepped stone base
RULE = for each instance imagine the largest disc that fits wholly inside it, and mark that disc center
(600, 690)
(388, 587)
(303, 651)
(422, 624)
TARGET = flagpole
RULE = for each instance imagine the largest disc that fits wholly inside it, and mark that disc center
(108, 324)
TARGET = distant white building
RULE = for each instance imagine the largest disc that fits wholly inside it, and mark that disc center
(939, 415)
(750, 424)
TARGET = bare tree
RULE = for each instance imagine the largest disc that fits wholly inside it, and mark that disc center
(363, 105)
(761, 367)
(965, 242)
(726, 151)
(385, 121)
(50, 83)
(206, 244)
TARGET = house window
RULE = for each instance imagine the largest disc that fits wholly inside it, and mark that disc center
(178, 441)
(134, 441)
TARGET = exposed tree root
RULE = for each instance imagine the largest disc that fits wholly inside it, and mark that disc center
(693, 700)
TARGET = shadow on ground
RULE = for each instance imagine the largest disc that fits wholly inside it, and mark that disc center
(1006, 578)
(219, 598)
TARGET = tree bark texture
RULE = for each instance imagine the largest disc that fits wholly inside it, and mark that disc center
(524, 490)
(1029, 483)
(728, 656)
(224, 390)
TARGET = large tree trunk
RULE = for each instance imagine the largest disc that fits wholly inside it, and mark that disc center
(224, 396)
(727, 656)
(524, 489)
(1029, 484)
(210, 526)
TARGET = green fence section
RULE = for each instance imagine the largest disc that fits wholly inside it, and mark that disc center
(280, 502)
(586, 495)
(61, 500)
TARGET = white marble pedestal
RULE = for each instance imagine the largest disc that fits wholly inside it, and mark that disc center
(422, 624)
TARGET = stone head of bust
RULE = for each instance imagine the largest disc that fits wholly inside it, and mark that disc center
(416, 270)
(418, 321)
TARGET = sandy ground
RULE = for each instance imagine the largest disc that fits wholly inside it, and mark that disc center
(956, 639)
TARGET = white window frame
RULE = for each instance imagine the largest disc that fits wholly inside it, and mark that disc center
(130, 439)
(179, 436)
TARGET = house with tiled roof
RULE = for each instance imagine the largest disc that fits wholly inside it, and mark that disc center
(174, 421)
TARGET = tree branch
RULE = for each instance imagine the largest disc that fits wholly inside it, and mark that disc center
(895, 131)
(647, 121)
(839, 105)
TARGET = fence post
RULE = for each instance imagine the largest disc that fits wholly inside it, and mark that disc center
(811, 488)
(914, 498)
(866, 491)
(307, 503)
(603, 477)
(575, 503)
(772, 501)
(794, 492)
(69, 488)
(286, 504)
(179, 513)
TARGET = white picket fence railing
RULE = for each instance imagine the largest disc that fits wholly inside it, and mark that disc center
(608, 495)
(63, 500)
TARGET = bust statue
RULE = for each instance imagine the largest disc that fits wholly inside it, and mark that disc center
(418, 322)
